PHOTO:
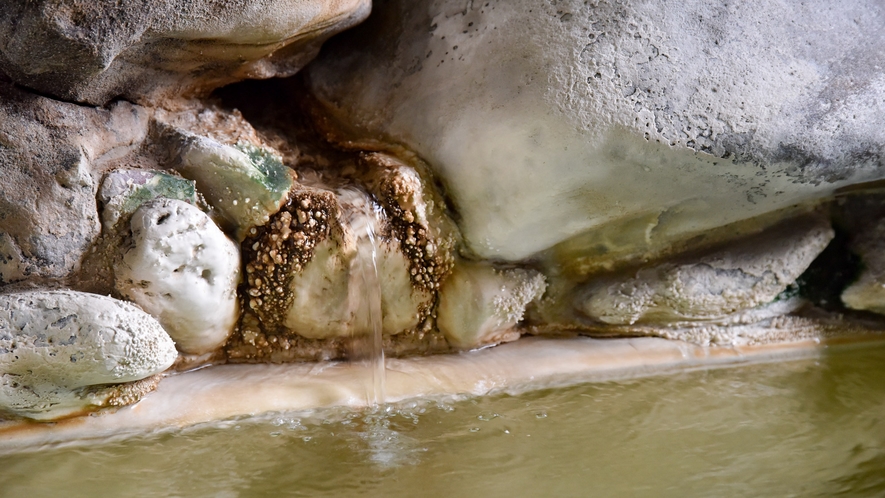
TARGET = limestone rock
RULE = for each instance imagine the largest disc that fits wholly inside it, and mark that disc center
(713, 286)
(125, 190)
(184, 271)
(868, 291)
(90, 51)
(479, 305)
(306, 276)
(51, 156)
(244, 182)
(650, 121)
(59, 350)
(304, 268)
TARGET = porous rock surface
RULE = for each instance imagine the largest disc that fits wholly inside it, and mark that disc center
(147, 50)
(741, 276)
(567, 118)
(183, 270)
(58, 350)
(480, 305)
(51, 156)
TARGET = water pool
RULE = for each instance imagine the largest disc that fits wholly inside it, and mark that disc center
(813, 427)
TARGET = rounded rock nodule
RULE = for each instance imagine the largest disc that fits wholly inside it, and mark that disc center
(183, 270)
(57, 347)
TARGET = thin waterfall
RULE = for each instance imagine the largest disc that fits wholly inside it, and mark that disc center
(365, 292)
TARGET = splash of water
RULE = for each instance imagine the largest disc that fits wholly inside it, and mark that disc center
(365, 293)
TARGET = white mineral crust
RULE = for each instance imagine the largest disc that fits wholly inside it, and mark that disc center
(184, 271)
(479, 305)
(742, 276)
(53, 344)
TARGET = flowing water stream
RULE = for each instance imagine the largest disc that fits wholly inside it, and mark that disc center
(365, 293)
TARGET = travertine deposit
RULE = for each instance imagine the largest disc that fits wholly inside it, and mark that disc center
(650, 121)
(448, 176)
(182, 269)
(64, 352)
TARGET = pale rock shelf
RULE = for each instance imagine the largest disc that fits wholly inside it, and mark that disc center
(224, 392)
(746, 274)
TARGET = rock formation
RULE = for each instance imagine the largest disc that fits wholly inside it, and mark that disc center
(679, 169)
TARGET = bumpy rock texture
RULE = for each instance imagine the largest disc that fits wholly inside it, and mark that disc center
(51, 154)
(711, 286)
(184, 271)
(650, 121)
(480, 305)
(90, 51)
(607, 167)
(59, 349)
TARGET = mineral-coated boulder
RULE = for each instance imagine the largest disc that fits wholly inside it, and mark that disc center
(59, 350)
(246, 183)
(51, 157)
(184, 271)
(713, 286)
(125, 190)
(479, 305)
(306, 269)
(93, 51)
(649, 121)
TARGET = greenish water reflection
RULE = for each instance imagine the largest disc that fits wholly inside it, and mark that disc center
(801, 428)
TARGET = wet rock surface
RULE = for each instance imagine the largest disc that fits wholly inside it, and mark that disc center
(741, 276)
(480, 305)
(653, 121)
(62, 352)
(474, 172)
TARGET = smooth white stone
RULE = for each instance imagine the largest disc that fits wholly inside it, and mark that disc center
(55, 343)
(183, 270)
(479, 305)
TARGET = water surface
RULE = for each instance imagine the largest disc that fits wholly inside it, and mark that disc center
(799, 428)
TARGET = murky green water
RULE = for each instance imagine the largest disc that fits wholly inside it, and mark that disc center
(803, 428)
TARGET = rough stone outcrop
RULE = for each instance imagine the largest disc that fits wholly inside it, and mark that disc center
(62, 352)
(619, 127)
(147, 50)
(51, 158)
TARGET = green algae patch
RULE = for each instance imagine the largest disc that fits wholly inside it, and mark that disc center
(245, 183)
(124, 191)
